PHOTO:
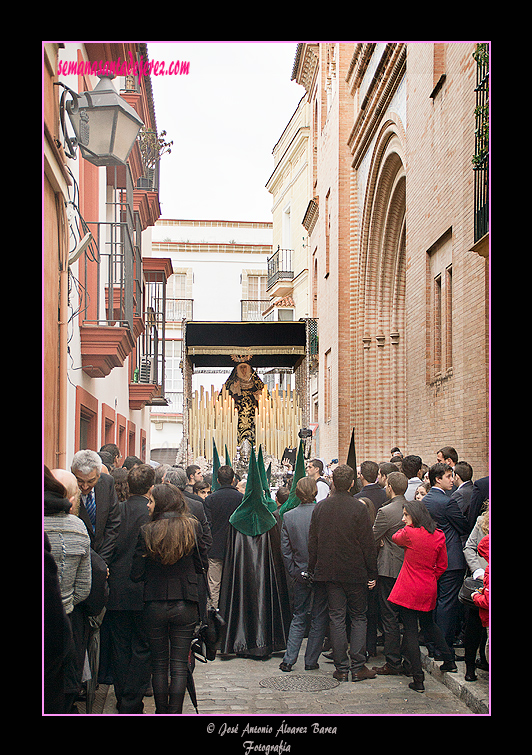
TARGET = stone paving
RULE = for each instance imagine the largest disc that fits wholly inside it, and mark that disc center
(231, 688)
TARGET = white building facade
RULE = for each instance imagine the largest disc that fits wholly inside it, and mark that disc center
(220, 272)
(96, 283)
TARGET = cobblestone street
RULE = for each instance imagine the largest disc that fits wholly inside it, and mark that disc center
(233, 688)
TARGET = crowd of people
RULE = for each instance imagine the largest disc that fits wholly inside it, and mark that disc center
(136, 553)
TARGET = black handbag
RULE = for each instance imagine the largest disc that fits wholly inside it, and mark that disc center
(205, 643)
(469, 586)
(209, 632)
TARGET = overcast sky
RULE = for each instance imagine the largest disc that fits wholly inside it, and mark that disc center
(224, 118)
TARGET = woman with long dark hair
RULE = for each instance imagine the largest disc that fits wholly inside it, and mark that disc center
(416, 587)
(168, 562)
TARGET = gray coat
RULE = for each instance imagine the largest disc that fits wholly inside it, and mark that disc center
(294, 539)
(413, 485)
(472, 556)
(70, 545)
(387, 522)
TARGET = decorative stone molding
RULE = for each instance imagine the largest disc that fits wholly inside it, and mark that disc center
(104, 347)
(141, 394)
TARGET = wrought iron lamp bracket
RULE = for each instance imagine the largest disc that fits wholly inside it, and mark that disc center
(71, 143)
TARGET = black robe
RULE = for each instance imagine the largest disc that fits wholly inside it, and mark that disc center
(253, 595)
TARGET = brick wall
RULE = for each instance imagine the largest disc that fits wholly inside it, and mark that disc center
(446, 406)
(376, 280)
(331, 237)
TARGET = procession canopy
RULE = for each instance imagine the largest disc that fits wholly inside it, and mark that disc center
(270, 344)
(243, 410)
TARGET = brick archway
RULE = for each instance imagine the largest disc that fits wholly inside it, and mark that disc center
(381, 350)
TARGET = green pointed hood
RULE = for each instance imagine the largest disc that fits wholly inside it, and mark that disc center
(270, 503)
(215, 467)
(253, 517)
(292, 501)
(227, 459)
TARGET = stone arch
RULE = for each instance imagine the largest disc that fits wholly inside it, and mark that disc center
(381, 301)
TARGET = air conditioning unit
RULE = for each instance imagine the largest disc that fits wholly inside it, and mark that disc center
(146, 371)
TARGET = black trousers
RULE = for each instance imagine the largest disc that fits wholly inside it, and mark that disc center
(347, 599)
(170, 628)
(431, 632)
(374, 619)
(447, 611)
(389, 614)
(130, 653)
(475, 637)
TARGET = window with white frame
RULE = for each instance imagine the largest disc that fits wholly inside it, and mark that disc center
(179, 296)
(173, 376)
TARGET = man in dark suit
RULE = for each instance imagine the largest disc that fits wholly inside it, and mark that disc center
(463, 479)
(448, 455)
(100, 511)
(447, 515)
(479, 496)
(342, 554)
(218, 508)
(388, 521)
(369, 471)
(99, 503)
(129, 645)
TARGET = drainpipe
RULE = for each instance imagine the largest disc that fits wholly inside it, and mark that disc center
(62, 336)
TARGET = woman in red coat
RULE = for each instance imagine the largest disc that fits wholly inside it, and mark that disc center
(416, 587)
(481, 598)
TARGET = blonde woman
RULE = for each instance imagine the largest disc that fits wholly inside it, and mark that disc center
(168, 563)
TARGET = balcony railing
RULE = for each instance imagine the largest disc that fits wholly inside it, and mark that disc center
(252, 309)
(313, 339)
(179, 309)
(280, 266)
(111, 277)
(148, 378)
(151, 354)
(481, 158)
(150, 179)
(114, 273)
(175, 403)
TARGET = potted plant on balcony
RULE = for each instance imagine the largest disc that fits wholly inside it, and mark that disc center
(152, 148)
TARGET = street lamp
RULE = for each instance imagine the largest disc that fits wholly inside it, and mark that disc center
(104, 124)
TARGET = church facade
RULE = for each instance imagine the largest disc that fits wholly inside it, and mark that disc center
(398, 264)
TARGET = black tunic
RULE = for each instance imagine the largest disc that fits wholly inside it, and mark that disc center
(254, 595)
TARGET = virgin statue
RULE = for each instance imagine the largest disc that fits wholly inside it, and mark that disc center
(245, 386)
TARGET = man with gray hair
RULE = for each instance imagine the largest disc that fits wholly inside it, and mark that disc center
(98, 506)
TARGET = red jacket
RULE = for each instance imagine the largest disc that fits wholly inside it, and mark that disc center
(424, 562)
(483, 599)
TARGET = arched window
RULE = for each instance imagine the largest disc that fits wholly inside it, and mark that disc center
(381, 367)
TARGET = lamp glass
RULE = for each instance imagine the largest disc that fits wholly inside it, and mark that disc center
(125, 135)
